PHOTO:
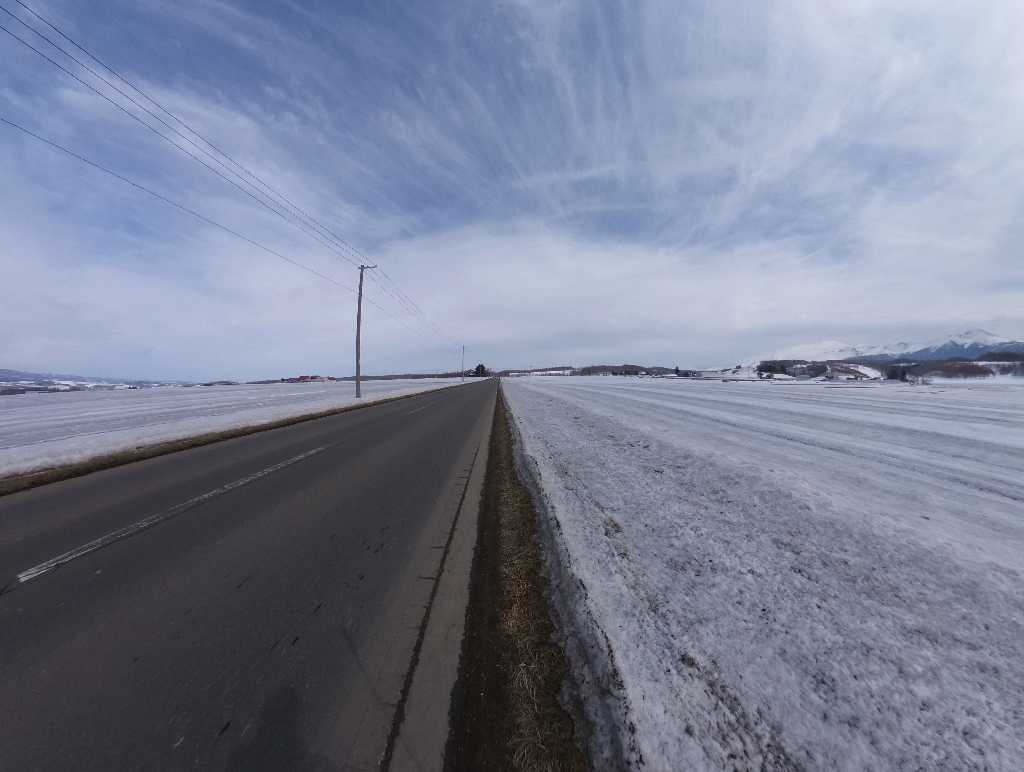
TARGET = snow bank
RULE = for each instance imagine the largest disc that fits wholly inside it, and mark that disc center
(38, 431)
(821, 577)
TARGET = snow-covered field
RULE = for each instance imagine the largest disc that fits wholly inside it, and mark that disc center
(791, 574)
(38, 431)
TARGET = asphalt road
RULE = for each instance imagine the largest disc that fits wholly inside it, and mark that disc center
(252, 604)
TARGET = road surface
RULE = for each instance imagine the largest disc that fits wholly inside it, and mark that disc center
(253, 604)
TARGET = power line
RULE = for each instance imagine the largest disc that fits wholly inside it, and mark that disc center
(203, 218)
(306, 222)
(395, 291)
(123, 109)
(171, 202)
(135, 117)
(163, 109)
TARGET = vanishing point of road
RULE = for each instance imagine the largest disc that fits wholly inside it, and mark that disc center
(259, 603)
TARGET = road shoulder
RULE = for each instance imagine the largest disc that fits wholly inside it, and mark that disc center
(424, 723)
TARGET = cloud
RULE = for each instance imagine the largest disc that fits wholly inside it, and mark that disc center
(552, 182)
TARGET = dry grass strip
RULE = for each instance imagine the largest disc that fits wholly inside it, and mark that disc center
(506, 710)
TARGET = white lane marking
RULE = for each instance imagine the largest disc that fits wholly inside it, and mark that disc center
(417, 409)
(129, 530)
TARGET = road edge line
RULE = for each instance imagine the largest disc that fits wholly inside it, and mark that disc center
(452, 580)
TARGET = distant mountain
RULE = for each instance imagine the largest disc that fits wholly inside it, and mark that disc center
(829, 350)
(968, 344)
(22, 375)
(834, 350)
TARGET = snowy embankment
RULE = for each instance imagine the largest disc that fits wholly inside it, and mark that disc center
(40, 431)
(790, 575)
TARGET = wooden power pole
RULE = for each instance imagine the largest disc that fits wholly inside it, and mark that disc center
(359, 327)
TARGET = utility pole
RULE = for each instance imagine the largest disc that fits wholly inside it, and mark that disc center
(359, 327)
(462, 372)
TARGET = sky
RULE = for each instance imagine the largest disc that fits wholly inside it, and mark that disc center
(550, 181)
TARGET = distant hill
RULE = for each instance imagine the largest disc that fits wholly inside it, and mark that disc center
(22, 375)
(20, 381)
(624, 369)
(31, 377)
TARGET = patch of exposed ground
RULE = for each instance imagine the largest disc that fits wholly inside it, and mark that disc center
(506, 712)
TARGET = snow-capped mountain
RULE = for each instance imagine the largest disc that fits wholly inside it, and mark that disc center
(976, 337)
(967, 345)
(828, 350)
